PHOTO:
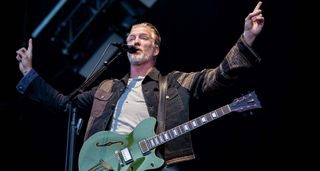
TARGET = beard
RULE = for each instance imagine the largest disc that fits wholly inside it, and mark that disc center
(138, 59)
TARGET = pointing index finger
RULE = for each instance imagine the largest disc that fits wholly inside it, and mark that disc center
(258, 6)
(30, 47)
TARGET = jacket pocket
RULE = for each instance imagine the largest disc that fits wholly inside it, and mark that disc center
(101, 98)
(174, 102)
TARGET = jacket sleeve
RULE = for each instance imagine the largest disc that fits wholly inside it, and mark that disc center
(36, 88)
(241, 57)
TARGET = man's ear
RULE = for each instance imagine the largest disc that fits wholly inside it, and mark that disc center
(156, 50)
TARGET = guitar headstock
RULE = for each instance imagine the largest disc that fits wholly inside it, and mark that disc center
(246, 102)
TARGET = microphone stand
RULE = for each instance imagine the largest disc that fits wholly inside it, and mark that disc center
(73, 129)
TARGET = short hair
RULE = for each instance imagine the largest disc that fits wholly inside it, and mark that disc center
(155, 33)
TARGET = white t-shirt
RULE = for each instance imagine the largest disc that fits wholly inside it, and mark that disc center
(131, 108)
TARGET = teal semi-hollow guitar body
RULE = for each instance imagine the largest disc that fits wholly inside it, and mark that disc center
(104, 145)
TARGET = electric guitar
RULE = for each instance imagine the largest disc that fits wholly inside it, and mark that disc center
(106, 150)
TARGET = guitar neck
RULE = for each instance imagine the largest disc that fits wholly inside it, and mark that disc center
(155, 141)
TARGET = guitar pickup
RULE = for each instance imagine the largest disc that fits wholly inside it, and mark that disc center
(144, 147)
(124, 156)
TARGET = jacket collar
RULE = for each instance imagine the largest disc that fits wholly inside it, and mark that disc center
(154, 74)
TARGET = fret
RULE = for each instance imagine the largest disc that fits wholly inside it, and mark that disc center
(225, 109)
(214, 114)
(171, 133)
(166, 136)
(208, 117)
(190, 125)
(229, 109)
(222, 109)
(199, 122)
(175, 132)
(186, 127)
(180, 130)
(152, 143)
(194, 123)
(148, 144)
(220, 112)
(203, 119)
(156, 140)
(161, 138)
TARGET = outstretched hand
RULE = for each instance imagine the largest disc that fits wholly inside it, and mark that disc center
(253, 24)
(24, 56)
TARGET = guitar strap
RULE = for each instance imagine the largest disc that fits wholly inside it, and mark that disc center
(162, 105)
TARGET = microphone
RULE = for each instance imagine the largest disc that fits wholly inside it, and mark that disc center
(125, 47)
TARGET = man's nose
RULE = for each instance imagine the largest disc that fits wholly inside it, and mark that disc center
(136, 42)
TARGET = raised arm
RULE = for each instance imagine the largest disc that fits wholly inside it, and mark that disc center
(24, 56)
(253, 24)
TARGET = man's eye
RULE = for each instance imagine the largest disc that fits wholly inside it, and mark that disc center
(144, 37)
(130, 38)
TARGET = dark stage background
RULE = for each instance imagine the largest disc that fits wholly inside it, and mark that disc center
(196, 35)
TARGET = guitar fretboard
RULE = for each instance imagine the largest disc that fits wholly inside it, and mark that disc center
(175, 132)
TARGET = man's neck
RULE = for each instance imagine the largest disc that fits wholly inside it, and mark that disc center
(140, 70)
